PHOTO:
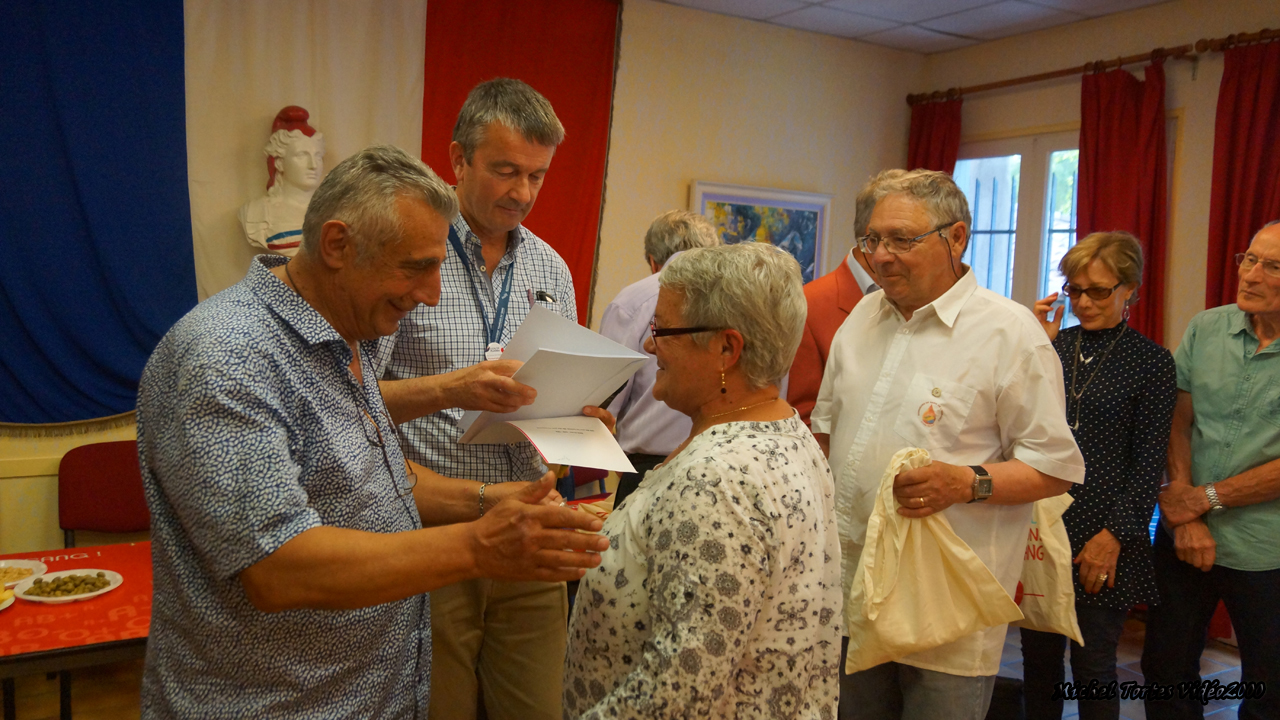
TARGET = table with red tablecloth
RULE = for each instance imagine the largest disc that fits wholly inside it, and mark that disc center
(41, 637)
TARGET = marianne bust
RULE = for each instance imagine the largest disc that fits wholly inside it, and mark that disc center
(295, 166)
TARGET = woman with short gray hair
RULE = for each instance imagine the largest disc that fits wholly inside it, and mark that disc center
(721, 594)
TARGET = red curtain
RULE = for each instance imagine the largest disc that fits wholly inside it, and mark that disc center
(935, 136)
(1124, 175)
(565, 50)
(1245, 193)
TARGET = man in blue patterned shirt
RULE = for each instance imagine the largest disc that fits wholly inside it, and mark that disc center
(291, 563)
(504, 641)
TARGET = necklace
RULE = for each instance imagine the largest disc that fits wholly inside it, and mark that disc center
(748, 407)
(1075, 365)
(293, 283)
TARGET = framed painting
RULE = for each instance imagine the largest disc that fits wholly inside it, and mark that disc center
(794, 221)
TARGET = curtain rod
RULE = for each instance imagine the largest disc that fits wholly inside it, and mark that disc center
(1185, 52)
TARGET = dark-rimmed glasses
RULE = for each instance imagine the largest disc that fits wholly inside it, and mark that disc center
(1246, 261)
(658, 332)
(1095, 293)
(895, 245)
(376, 440)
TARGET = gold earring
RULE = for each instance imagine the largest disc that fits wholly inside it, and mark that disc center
(723, 389)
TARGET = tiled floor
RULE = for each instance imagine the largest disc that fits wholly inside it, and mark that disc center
(1220, 661)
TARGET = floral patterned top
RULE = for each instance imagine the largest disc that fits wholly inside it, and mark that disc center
(720, 594)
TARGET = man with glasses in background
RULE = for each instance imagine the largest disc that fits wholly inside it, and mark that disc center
(937, 362)
(1219, 536)
(291, 562)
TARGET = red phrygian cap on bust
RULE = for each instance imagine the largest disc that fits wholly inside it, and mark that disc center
(291, 117)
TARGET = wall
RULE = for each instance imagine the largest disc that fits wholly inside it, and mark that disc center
(1191, 96)
(29, 489)
(708, 97)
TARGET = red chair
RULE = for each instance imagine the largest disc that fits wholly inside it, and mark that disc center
(100, 489)
(585, 476)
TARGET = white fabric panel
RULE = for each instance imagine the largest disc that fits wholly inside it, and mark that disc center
(357, 67)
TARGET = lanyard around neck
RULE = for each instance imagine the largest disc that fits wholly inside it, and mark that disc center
(492, 331)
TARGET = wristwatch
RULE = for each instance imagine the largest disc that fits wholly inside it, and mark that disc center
(1215, 504)
(981, 483)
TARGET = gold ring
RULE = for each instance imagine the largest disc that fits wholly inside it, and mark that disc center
(921, 501)
(1102, 577)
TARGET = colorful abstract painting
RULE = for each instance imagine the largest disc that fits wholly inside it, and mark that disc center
(794, 222)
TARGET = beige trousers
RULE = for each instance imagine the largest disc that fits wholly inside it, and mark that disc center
(505, 640)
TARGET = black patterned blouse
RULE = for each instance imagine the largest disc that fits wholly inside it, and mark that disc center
(720, 594)
(1124, 401)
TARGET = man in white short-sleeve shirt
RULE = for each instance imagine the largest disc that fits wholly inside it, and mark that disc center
(936, 362)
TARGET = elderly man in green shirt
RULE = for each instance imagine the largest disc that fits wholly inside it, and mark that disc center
(1220, 534)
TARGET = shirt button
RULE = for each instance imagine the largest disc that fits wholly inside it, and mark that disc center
(937, 392)
(484, 269)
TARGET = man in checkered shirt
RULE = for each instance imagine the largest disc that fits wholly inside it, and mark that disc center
(503, 642)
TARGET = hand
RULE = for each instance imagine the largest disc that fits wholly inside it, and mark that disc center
(1098, 558)
(1042, 309)
(933, 488)
(523, 539)
(605, 417)
(1195, 544)
(1180, 503)
(488, 386)
(498, 492)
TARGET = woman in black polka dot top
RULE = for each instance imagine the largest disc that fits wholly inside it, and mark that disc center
(1120, 389)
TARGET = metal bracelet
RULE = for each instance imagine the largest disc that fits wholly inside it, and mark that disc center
(482, 487)
(1211, 493)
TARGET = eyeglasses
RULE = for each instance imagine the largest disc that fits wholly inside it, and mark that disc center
(1246, 261)
(658, 332)
(1096, 293)
(376, 440)
(895, 245)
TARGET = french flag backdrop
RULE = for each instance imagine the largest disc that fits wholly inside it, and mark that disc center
(132, 132)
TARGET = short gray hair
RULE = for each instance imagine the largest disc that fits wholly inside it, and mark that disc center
(868, 196)
(943, 200)
(752, 287)
(362, 190)
(676, 231)
(511, 103)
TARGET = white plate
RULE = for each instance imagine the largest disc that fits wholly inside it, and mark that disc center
(7, 603)
(114, 577)
(38, 568)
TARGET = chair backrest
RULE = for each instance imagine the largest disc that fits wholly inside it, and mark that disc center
(100, 489)
(586, 476)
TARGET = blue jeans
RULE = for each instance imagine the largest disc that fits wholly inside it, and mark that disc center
(1178, 627)
(1042, 667)
(894, 691)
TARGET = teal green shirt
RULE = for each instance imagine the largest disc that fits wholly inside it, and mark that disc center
(1235, 393)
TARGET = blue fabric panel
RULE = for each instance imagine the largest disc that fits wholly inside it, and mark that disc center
(95, 222)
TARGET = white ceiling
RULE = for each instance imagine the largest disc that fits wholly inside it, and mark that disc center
(923, 26)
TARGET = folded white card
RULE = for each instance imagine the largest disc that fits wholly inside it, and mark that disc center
(571, 367)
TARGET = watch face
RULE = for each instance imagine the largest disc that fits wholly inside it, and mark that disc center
(984, 487)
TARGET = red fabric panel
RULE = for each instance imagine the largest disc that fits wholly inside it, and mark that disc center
(565, 50)
(1246, 162)
(935, 136)
(1124, 176)
(100, 488)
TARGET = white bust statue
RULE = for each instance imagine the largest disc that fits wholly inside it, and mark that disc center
(295, 166)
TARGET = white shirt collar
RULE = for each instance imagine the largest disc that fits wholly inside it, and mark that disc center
(863, 279)
(947, 305)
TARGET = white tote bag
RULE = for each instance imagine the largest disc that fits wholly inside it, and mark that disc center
(918, 585)
(1048, 600)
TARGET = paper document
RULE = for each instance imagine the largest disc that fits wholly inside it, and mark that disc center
(571, 367)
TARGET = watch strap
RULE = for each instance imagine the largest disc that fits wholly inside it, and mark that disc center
(1211, 493)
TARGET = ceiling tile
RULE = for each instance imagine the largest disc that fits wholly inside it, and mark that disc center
(917, 39)
(833, 22)
(1001, 20)
(750, 9)
(1096, 8)
(908, 12)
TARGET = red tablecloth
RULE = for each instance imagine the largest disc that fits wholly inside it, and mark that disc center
(120, 614)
